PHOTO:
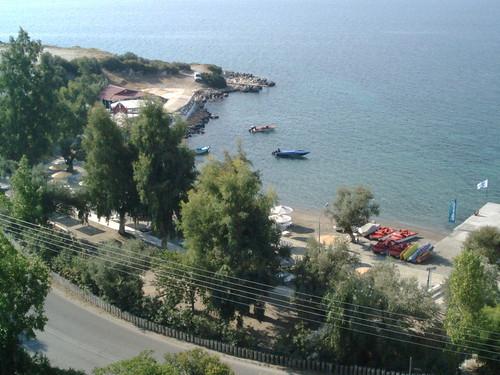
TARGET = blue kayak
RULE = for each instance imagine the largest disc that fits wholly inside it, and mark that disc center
(202, 150)
(290, 153)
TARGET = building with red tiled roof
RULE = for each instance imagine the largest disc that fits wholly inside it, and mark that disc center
(111, 94)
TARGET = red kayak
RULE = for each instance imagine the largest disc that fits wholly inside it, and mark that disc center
(380, 233)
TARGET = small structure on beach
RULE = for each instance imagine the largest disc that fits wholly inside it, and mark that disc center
(130, 108)
(112, 94)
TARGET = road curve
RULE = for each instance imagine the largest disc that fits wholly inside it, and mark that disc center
(82, 337)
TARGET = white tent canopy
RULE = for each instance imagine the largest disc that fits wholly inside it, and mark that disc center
(281, 210)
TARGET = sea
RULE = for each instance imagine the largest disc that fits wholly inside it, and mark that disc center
(401, 96)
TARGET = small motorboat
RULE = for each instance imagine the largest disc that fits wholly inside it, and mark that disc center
(262, 129)
(292, 154)
(202, 150)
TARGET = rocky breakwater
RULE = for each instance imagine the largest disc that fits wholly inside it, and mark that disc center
(195, 112)
(246, 82)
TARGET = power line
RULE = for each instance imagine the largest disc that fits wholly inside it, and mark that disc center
(203, 284)
(121, 251)
(322, 322)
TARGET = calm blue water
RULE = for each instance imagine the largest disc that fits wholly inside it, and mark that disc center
(399, 95)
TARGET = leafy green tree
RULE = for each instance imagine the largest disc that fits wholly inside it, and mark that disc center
(164, 169)
(24, 283)
(172, 280)
(194, 362)
(472, 286)
(109, 181)
(485, 241)
(28, 101)
(360, 314)
(117, 277)
(322, 266)
(352, 207)
(143, 364)
(490, 327)
(75, 101)
(198, 362)
(227, 230)
(29, 187)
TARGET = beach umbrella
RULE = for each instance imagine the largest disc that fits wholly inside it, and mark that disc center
(280, 219)
(281, 210)
(61, 175)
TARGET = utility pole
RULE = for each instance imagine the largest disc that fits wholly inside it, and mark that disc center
(409, 371)
(319, 223)
(429, 270)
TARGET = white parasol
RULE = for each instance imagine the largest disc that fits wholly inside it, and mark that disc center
(281, 210)
(280, 219)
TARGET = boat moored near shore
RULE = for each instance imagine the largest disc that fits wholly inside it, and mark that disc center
(202, 150)
(262, 129)
(290, 154)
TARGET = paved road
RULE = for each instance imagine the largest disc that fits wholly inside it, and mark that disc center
(82, 337)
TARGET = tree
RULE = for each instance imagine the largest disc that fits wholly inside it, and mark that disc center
(486, 242)
(360, 320)
(118, 278)
(472, 286)
(194, 362)
(352, 207)
(75, 101)
(322, 266)
(24, 283)
(109, 179)
(29, 188)
(28, 102)
(164, 169)
(198, 362)
(227, 230)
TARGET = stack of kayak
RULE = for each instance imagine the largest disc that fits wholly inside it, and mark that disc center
(417, 253)
(396, 243)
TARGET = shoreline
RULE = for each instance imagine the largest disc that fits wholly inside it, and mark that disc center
(310, 218)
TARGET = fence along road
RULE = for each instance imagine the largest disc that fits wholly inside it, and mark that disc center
(83, 337)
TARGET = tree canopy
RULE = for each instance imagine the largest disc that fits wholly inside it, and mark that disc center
(24, 283)
(29, 187)
(109, 179)
(164, 169)
(28, 105)
(472, 288)
(352, 207)
(194, 362)
(362, 305)
(486, 242)
(226, 226)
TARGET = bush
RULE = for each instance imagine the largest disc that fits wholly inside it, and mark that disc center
(214, 80)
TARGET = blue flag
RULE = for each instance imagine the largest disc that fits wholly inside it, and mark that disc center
(452, 211)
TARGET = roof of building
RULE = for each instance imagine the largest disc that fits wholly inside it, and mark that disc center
(129, 104)
(114, 93)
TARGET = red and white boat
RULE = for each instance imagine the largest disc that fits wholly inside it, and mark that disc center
(381, 233)
(389, 247)
(402, 235)
(262, 129)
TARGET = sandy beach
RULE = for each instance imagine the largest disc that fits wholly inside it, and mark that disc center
(306, 224)
(312, 218)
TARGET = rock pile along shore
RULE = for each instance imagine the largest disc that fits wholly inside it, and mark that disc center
(236, 82)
